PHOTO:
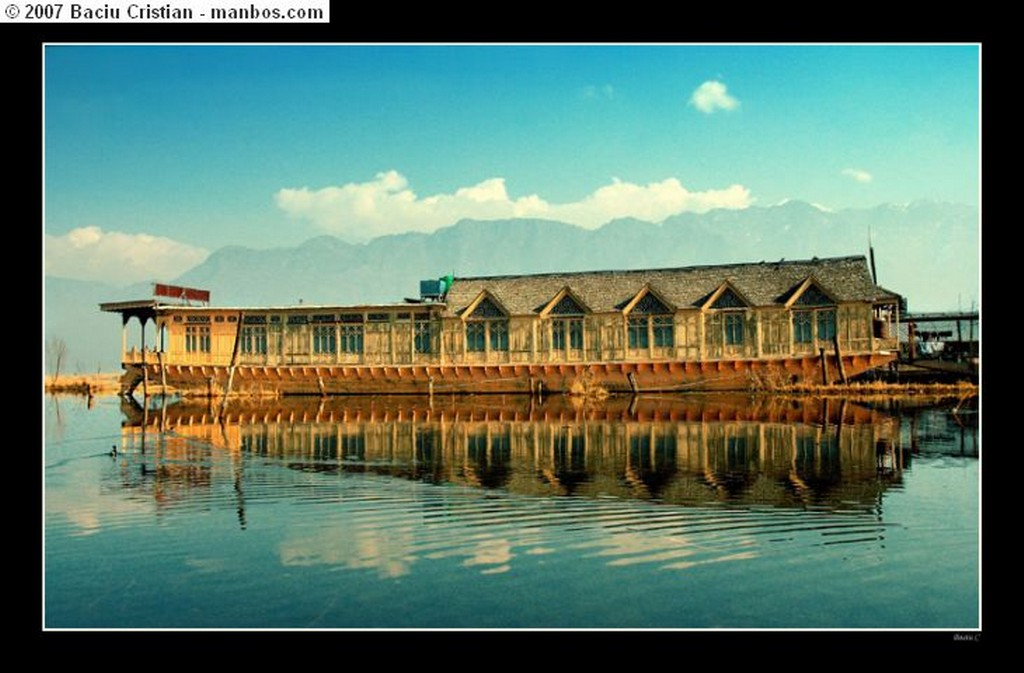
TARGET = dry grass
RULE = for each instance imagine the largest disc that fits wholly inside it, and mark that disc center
(84, 384)
(873, 389)
(584, 386)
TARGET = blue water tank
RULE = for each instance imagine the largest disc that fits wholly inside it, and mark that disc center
(430, 289)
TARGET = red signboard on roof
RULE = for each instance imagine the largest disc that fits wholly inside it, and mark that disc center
(179, 292)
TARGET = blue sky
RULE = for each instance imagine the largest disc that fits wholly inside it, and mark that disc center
(169, 152)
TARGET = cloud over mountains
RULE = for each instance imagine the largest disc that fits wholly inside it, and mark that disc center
(387, 204)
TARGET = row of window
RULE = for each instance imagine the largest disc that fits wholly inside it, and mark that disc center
(803, 325)
(330, 339)
(566, 333)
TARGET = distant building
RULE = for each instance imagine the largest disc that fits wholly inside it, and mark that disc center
(718, 327)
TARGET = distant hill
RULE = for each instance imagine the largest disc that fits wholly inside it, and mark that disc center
(926, 251)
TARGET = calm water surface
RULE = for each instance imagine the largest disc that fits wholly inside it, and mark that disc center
(703, 513)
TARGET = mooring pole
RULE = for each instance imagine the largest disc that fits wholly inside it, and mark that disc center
(824, 367)
(163, 372)
(234, 359)
(960, 339)
(145, 370)
(839, 359)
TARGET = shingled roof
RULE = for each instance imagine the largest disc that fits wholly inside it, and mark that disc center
(762, 284)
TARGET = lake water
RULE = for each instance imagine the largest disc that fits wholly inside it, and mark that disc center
(716, 512)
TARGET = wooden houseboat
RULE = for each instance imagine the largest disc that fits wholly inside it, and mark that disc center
(721, 327)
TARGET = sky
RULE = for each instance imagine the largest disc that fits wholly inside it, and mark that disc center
(156, 155)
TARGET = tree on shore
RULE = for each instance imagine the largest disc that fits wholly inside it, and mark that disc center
(56, 353)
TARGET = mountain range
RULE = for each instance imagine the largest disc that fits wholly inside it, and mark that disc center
(929, 252)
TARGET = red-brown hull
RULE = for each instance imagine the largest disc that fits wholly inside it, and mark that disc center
(584, 378)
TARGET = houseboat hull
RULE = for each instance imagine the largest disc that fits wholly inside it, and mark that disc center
(530, 379)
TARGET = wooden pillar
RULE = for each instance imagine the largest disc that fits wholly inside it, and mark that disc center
(441, 341)
(163, 372)
(391, 337)
(758, 318)
(124, 334)
(700, 336)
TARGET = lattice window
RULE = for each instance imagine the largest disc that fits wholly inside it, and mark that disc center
(487, 326)
(351, 338)
(728, 299)
(734, 329)
(664, 330)
(487, 309)
(637, 332)
(567, 306)
(422, 336)
(254, 339)
(476, 337)
(558, 335)
(197, 339)
(813, 296)
(649, 304)
(323, 339)
(803, 327)
(576, 335)
(499, 334)
(826, 325)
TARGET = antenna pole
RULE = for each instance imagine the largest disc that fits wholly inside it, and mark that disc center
(871, 251)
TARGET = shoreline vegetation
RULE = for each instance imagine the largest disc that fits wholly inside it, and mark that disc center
(90, 385)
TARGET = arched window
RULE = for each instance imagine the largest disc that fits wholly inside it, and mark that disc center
(486, 328)
(566, 324)
(814, 316)
(650, 321)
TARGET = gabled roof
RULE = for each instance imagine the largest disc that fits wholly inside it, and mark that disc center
(645, 295)
(566, 300)
(809, 289)
(724, 292)
(487, 299)
(760, 284)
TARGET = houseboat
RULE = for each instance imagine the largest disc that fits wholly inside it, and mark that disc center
(716, 327)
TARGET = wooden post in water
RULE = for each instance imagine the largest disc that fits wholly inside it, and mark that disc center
(824, 367)
(959, 338)
(839, 359)
(163, 372)
(234, 359)
(145, 370)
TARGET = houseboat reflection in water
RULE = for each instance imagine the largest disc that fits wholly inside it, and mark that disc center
(689, 450)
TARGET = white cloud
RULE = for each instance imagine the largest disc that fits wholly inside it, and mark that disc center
(89, 253)
(386, 205)
(711, 96)
(858, 174)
